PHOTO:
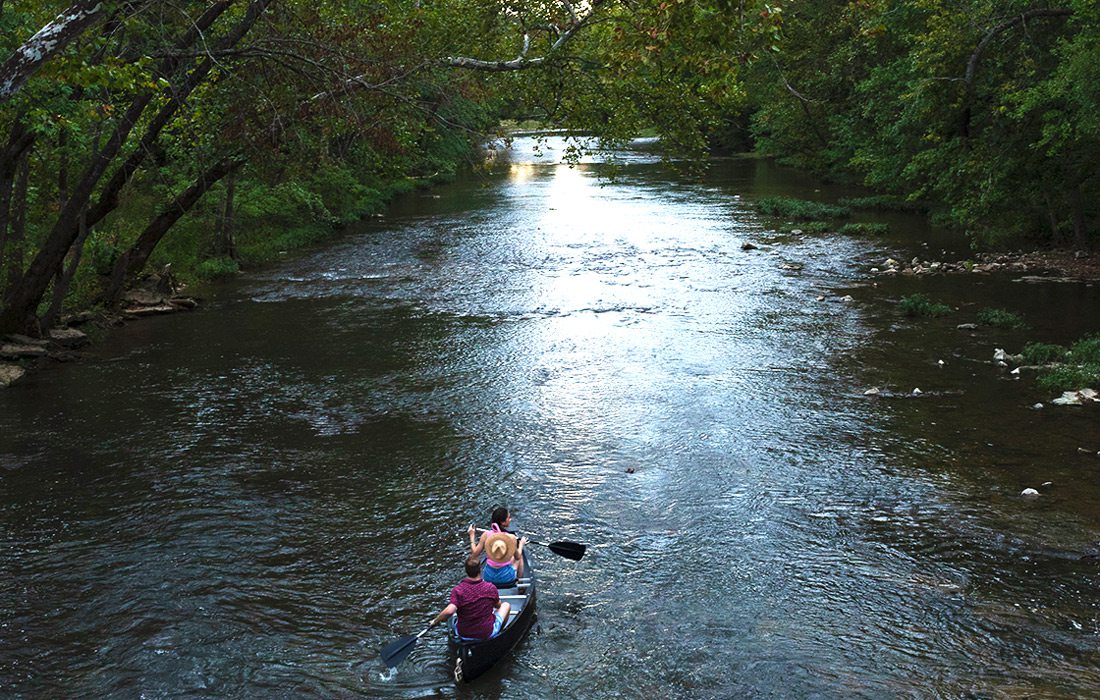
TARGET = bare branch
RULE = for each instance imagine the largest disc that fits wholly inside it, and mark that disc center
(521, 62)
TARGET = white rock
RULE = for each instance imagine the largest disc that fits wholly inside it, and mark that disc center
(874, 270)
(917, 391)
(1071, 398)
(966, 326)
(999, 354)
(796, 231)
(940, 363)
(821, 298)
(69, 337)
(873, 391)
(1037, 406)
(1089, 394)
(1015, 371)
(1047, 483)
(9, 374)
(14, 352)
(1029, 492)
(847, 298)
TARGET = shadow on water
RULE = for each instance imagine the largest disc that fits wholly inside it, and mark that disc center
(253, 499)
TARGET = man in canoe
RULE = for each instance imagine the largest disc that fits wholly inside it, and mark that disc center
(503, 550)
(481, 614)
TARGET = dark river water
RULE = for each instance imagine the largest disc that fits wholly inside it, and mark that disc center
(251, 500)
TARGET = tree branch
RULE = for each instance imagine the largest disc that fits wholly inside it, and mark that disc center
(972, 64)
(47, 41)
(521, 62)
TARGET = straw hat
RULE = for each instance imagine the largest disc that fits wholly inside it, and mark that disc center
(500, 547)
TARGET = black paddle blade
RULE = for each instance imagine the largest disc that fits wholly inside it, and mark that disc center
(396, 652)
(569, 550)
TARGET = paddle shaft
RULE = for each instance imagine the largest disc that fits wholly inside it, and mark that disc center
(569, 550)
(397, 651)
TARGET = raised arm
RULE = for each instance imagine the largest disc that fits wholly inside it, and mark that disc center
(478, 544)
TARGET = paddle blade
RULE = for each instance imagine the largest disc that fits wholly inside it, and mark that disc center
(569, 550)
(396, 652)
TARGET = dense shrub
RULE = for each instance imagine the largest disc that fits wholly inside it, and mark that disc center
(800, 209)
(1086, 350)
(921, 305)
(1070, 377)
(864, 229)
(212, 268)
(809, 227)
(1043, 353)
(880, 202)
(1000, 318)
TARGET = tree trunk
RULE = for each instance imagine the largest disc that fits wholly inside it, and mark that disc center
(18, 208)
(47, 41)
(62, 282)
(7, 181)
(19, 306)
(227, 244)
(1080, 229)
(110, 193)
(63, 165)
(14, 172)
(19, 141)
(133, 260)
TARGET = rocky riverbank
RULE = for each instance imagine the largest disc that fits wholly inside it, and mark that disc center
(1034, 266)
(20, 353)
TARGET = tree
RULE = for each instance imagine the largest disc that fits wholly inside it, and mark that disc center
(167, 101)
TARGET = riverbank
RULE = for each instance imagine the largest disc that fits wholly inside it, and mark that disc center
(1038, 265)
(267, 224)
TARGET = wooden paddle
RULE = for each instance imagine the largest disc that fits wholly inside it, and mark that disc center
(569, 550)
(397, 651)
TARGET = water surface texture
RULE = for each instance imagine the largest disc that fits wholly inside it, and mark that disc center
(251, 500)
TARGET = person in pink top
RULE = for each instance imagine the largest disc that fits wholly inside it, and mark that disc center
(481, 613)
(503, 550)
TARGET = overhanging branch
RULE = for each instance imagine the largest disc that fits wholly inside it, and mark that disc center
(972, 64)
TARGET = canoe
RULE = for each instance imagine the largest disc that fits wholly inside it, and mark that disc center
(470, 659)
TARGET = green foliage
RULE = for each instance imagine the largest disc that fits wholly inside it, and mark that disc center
(880, 202)
(1075, 368)
(1070, 377)
(800, 209)
(213, 268)
(100, 254)
(1000, 318)
(881, 89)
(864, 229)
(355, 102)
(921, 305)
(1043, 353)
(1086, 350)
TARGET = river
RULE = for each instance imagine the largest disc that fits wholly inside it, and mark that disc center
(252, 499)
